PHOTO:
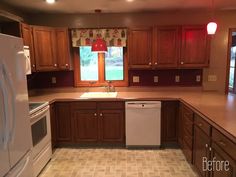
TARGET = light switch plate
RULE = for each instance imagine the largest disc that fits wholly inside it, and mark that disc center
(177, 78)
(135, 79)
(54, 80)
(212, 78)
(198, 78)
(155, 79)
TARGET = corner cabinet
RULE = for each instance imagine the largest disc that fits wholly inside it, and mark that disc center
(140, 48)
(195, 47)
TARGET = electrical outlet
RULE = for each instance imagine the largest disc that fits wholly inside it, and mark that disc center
(198, 78)
(54, 80)
(212, 78)
(135, 79)
(155, 79)
(177, 78)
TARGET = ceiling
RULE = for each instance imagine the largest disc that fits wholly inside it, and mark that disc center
(116, 6)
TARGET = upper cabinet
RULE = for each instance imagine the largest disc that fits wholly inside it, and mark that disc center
(166, 47)
(140, 48)
(26, 33)
(49, 47)
(169, 47)
(195, 47)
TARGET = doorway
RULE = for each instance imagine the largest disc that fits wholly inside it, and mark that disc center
(231, 71)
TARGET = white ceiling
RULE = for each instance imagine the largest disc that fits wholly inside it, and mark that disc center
(116, 6)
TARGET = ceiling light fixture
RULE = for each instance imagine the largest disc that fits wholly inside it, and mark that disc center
(99, 45)
(129, 0)
(212, 25)
(50, 1)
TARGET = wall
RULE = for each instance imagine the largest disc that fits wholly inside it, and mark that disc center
(219, 43)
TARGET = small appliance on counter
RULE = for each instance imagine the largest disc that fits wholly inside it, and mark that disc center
(41, 135)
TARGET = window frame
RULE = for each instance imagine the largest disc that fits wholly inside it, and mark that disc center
(101, 71)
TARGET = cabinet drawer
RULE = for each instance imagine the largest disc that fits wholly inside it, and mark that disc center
(202, 124)
(223, 142)
(187, 113)
(111, 105)
(83, 105)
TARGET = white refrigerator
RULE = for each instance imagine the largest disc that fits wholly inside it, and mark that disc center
(15, 130)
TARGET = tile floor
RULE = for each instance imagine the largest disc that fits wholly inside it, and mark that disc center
(98, 162)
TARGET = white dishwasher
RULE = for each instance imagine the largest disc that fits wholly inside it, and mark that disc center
(143, 123)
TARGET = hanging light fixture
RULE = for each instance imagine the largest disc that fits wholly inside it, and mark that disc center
(99, 45)
(212, 26)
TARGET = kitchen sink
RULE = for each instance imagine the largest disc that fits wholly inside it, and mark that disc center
(99, 95)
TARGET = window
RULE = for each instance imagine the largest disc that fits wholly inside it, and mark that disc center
(232, 70)
(93, 69)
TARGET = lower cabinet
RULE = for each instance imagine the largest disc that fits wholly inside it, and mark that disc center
(53, 125)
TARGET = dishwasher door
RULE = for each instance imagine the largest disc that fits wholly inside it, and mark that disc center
(143, 123)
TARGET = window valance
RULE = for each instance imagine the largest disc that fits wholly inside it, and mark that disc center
(112, 36)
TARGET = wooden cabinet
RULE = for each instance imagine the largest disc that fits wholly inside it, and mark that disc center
(53, 125)
(195, 47)
(63, 122)
(26, 33)
(51, 48)
(166, 47)
(140, 48)
(200, 149)
(44, 47)
(62, 48)
(98, 122)
(169, 119)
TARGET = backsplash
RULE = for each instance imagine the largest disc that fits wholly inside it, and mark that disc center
(186, 77)
(172, 77)
(46, 79)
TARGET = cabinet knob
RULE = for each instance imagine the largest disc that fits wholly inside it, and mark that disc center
(222, 143)
(210, 149)
(55, 65)
(95, 114)
(181, 62)
(155, 63)
(100, 114)
(206, 145)
(200, 125)
(67, 65)
(33, 66)
(150, 63)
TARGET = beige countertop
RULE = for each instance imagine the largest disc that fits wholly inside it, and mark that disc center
(219, 109)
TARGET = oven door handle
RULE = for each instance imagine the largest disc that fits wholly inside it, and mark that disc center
(34, 117)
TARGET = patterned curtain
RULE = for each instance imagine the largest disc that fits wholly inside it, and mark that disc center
(113, 37)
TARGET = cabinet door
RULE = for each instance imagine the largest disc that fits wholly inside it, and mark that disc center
(26, 32)
(200, 150)
(140, 48)
(219, 155)
(85, 125)
(180, 125)
(63, 122)
(169, 117)
(166, 47)
(195, 47)
(111, 125)
(53, 125)
(62, 48)
(45, 50)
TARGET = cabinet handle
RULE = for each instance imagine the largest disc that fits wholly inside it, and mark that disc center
(100, 114)
(67, 65)
(33, 66)
(181, 62)
(210, 149)
(200, 125)
(150, 63)
(155, 63)
(55, 65)
(95, 114)
(206, 145)
(222, 143)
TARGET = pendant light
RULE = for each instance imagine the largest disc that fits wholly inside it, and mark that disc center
(212, 25)
(99, 45)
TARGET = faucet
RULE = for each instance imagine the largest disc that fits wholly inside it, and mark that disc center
(109, 87)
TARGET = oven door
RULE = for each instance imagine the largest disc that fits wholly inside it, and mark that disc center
(41, 130)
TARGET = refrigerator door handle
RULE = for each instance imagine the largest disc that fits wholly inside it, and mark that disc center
(13, 95)
(6, 104)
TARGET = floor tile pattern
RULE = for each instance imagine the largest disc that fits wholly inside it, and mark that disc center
(98, 162)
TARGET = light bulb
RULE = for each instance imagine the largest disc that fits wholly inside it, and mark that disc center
(50, 1)
(211, 28)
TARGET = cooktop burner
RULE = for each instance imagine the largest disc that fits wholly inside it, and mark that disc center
(35, 106)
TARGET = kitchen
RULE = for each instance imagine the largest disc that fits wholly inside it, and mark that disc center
(162, 72)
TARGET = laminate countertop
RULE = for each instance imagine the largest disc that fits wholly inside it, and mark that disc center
(217, 108)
